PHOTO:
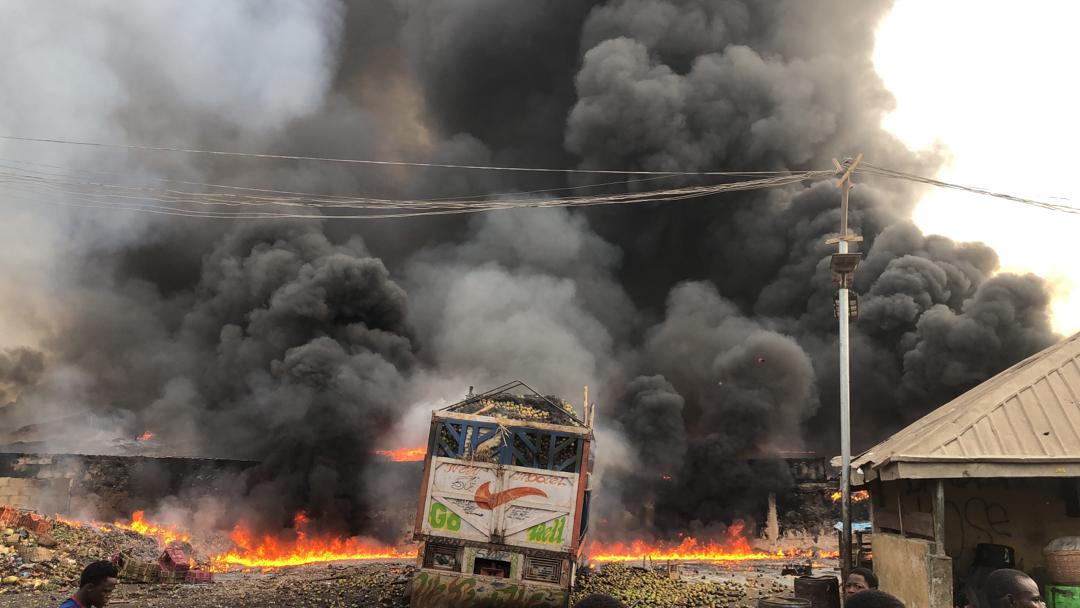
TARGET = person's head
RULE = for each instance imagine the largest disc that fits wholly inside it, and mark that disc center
(599, 600)
(859, 580)
(872, 599)
(97, 583)
(1007, 588)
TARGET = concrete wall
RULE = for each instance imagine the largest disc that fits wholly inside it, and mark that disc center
(43, 495)
(901, 566)
(1024, 514)
(106, 487)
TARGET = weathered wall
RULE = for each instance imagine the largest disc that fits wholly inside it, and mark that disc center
(903, 568)
(44, 495)
(1024, 514)
(104, 486)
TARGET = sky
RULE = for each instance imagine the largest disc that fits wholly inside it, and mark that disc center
(995, 83)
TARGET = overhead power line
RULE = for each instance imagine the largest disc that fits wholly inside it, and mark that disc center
(377, 162)
(53, 184)
(79, 191)
(869, 169)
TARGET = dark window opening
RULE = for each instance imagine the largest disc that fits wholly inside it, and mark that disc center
(492, 567)
(443, 557)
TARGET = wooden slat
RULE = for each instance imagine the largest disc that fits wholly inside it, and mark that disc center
(919, 524)
(912, 523)
(886, 519)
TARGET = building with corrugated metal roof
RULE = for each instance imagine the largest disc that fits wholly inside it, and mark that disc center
(986, 480)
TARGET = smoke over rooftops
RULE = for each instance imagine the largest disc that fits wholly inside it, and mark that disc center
(704, 328)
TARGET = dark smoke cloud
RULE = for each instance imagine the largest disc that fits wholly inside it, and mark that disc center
(704, 328)
(19, 368)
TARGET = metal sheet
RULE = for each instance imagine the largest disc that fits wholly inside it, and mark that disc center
(485, 502)
(1029, 413)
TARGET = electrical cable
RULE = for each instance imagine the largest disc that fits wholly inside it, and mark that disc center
(376, 162)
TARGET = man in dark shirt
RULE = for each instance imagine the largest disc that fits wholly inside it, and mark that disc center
(95, 586)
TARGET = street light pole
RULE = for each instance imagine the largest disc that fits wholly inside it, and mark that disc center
(843, 265)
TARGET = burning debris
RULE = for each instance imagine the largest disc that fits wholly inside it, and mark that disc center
(266, 551)
(735, 547)
(49, 553)
(857, 496)
(415, 454)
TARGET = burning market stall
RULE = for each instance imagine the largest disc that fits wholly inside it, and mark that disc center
(986, 481)
(503, 507)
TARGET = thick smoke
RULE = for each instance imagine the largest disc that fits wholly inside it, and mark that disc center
(19, 368)
(704, 328)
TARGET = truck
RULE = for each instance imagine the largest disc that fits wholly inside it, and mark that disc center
(504, 501)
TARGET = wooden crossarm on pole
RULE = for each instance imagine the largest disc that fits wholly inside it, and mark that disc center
(846, 177)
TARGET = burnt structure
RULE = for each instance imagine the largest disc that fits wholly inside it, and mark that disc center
(107, 487)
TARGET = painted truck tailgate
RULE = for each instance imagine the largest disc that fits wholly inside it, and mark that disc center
(487, 502)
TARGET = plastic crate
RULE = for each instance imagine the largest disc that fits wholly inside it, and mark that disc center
(199, 577)
(9, 516)
(134, 571)
(1062, 596)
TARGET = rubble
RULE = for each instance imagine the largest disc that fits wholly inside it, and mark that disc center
(39, 553)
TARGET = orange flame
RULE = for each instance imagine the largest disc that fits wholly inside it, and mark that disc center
(165, 534)
(72, 523)
(146, 436)
(859, 496)
(404, 454)
(271, 552)
(733, 548)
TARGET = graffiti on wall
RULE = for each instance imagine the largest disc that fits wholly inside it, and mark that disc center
(977, 519)
(980, 520)
(431, 590)
(551, 532)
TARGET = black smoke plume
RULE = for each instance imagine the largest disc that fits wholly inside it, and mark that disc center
(704, 327)
(19, 368)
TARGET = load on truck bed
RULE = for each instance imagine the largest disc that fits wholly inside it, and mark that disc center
(503, 505)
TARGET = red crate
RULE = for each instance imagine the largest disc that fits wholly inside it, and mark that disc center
(199, 577)
(9, 516)
(34, 522)
(173, 560)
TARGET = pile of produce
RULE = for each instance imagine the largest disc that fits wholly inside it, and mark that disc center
(648, 588)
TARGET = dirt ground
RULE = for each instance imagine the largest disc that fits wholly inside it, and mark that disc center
(382, 585)
(379, 584)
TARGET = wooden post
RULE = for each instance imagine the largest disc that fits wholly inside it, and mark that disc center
(939, 516)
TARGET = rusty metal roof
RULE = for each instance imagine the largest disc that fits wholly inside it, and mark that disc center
(1025, 421)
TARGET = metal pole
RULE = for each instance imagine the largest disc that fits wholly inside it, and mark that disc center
(845, 406)
(843, 314)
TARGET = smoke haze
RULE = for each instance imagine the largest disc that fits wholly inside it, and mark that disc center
(704, 328)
